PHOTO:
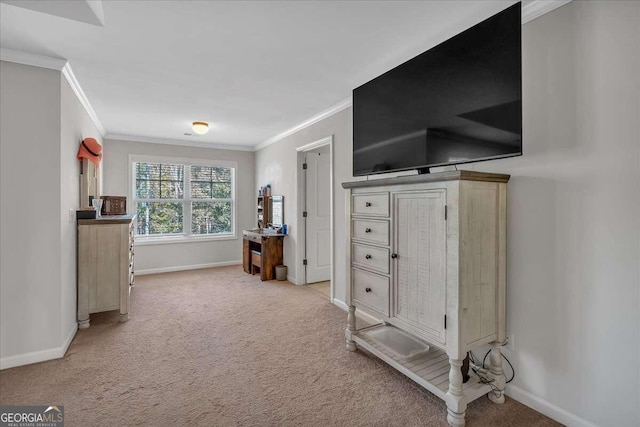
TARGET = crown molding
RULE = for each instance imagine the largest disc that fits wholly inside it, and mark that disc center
(180, 142)
(33, 59)
(67, 72)
(536, 8)
(58, 64)
(530, 11)
(345, 103)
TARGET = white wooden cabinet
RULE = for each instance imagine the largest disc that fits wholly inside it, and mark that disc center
(428, 258)
(105, 266)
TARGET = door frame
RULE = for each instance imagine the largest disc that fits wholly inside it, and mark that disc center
(301, 277)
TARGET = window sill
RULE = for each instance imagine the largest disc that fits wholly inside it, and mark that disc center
(167, 240)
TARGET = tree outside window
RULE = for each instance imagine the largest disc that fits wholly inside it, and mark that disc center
(178, 199)
(211, 186)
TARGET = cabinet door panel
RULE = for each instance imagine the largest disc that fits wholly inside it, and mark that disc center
(107, 268)
(420, 268)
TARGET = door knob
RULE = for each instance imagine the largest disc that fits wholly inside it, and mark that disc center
(367, 290)
(394, 256)
(367, 230)
(368, 256)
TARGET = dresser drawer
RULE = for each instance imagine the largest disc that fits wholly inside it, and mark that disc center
(373, 204)
(371, 230)
(370, 257)
(370, 290)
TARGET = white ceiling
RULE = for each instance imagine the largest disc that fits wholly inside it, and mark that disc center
(250, 69)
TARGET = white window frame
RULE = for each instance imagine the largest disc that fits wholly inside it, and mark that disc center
(185, 236)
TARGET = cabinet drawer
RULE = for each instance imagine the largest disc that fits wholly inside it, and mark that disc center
(253, 238)
(370, 257)
(373, 231)
(371, 290)
(374, 204)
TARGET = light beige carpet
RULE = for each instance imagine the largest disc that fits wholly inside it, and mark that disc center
(217, 347)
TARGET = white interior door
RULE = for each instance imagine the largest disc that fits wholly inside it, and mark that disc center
(318, 206)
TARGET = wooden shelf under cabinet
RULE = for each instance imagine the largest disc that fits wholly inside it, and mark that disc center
(430, 370)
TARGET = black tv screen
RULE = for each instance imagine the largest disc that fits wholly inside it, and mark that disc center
(458, 102)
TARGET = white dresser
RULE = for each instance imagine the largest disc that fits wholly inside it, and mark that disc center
(428, 259)
(105, 266)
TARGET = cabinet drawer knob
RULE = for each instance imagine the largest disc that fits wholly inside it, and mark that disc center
(367, 204)
(367, 230)
(394, 256)
(367, 256)
(367, 290)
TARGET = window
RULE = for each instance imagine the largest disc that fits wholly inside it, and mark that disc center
(183, 199)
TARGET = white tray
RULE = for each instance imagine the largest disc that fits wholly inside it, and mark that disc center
(402, 345)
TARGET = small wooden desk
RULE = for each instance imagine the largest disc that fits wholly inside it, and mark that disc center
(270, 248)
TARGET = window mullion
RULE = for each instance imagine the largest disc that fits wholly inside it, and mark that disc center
(233, 200)
(186, 221)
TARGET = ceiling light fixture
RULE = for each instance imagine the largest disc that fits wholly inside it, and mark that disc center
(200, 127)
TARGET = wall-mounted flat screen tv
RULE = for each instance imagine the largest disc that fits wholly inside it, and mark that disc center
(458, 102)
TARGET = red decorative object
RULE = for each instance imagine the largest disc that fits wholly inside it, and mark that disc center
(90, 149)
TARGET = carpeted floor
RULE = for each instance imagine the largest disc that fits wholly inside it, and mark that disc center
(217, 347)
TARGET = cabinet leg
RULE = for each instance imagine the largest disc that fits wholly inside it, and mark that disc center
(83, 296)
(497, 373)
(351, 327)
(83, 324)
(455, 419)
(125, 295)
(456, 401)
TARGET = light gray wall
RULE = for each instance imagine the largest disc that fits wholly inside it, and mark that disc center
(574, 212)
(30, 272)
(75, 126)
(42, 124)
(276, 165)
(182, 255)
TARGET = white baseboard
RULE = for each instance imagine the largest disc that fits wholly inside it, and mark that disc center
(186, 267)
(41, 355)
(70, 336)
(550, 410)
(364, 316)
(343, 305)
